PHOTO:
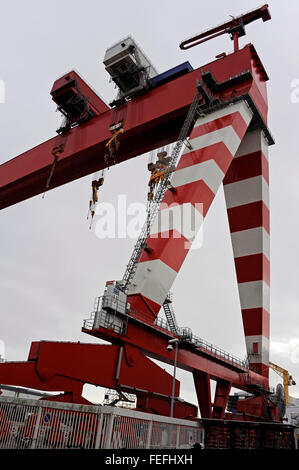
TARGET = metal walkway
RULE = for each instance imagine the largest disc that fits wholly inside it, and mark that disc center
(119, 323)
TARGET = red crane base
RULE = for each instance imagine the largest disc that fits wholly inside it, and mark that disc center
(66, 367)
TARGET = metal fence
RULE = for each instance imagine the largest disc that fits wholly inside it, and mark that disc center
(221, 434)
(39, 424)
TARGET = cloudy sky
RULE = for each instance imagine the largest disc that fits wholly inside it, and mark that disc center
(52, 265)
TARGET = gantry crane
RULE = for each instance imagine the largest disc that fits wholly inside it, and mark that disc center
(222, 108)
(287, 379)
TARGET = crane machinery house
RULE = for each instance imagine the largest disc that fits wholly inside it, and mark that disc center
(128, 67)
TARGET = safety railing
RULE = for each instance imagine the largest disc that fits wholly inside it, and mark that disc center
(39, 424)
(218, 352)
(106, 321)
(159, 323)
(184, 333)
(115, 308)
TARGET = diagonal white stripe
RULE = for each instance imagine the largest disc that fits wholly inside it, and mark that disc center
(153, 279)
(184, 218)
(240, 107)
(207, 171)
(227, 135)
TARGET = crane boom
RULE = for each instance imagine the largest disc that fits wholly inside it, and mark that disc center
(234, 27)
(287, 379)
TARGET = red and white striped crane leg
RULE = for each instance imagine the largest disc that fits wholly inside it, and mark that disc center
(246, 187)
(214, 141)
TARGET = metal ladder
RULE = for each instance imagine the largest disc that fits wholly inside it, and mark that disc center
(170, 315)
(154, 204)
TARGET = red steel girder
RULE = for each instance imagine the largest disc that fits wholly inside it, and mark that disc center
(203, 392)
(221, 397)
(66, 367)
(153, 343)
(59, 366)
(151, 120)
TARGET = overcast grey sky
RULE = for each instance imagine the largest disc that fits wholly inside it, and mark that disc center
(52, 266)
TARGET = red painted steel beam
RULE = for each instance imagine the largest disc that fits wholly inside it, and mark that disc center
(203, 392)
(151, 120)
(160, 406)
(221, 397)
(154, 344)
(59, 366)
(26, 375)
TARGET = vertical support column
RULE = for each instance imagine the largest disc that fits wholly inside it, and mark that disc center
(246, 188)
(34, 439)
(109, 432)
(149, 434)
(99, 431)
(178, 431)
(221, 396)
(203, 392)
